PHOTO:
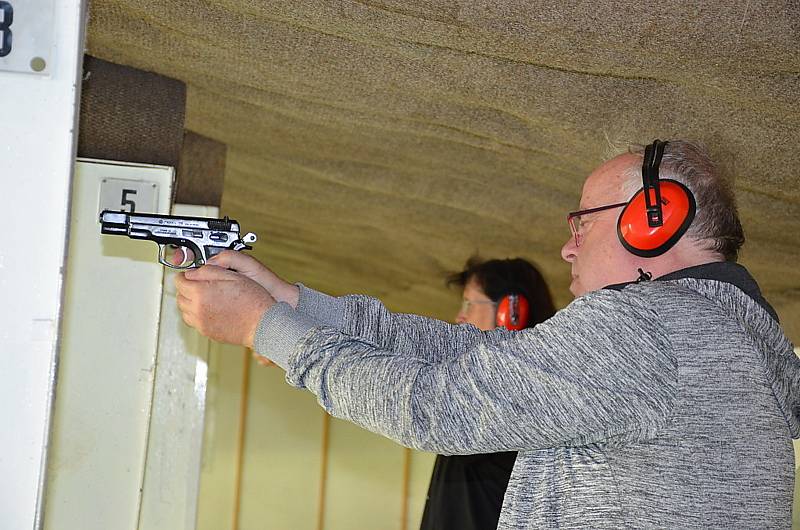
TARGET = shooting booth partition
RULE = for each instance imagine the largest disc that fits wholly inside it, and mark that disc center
(155, 427)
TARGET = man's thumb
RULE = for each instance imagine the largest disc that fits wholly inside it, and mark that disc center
(209, 272)
(227, 259)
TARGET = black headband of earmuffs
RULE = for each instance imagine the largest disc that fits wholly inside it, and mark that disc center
(652, 159)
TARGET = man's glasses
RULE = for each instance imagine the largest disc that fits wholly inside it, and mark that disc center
(574, 219)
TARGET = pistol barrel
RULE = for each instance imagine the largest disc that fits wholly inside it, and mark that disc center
(113, 222)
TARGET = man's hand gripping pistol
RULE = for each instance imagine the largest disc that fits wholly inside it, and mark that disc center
(200, 238)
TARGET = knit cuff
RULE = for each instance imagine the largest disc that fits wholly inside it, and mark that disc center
(279, 331)
(326, 309)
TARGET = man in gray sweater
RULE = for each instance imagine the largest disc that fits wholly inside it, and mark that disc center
(664, 396)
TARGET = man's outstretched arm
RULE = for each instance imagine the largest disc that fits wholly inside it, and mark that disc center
(586, 374)
(355, 315)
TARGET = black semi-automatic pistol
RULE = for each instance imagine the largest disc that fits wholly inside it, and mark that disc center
(200, 238)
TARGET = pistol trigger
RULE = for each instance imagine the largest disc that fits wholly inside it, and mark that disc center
(167, 256)
(162, 255)
(189, 259)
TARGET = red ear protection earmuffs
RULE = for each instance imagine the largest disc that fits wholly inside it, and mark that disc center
(513, 311)
(657, 215)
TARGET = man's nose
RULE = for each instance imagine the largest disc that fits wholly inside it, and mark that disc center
(568, 251)
(461, 318)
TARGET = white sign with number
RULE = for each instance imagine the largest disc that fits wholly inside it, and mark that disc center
(129, 196)
(27, 36)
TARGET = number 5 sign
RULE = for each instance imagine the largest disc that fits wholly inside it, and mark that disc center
(27, 36)
(128, 195)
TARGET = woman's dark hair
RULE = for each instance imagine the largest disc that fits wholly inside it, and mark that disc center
(501, 277)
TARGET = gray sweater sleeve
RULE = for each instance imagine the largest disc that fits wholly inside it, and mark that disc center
(402, 333)
(600, 369)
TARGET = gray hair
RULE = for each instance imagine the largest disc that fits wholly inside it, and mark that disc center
(716, 224)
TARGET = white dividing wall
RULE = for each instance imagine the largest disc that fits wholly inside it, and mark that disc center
(108, 354)
(37, 151)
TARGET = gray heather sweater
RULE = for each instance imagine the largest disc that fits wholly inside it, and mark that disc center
(665, 404)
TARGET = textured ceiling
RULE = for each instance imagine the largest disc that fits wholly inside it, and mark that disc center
(374, 145)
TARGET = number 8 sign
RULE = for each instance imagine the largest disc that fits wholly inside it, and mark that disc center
(5, 28)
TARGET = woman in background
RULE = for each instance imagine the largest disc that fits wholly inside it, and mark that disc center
(466, 492)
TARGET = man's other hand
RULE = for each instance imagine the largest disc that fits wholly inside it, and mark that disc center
(222, 304)
(240, 262)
